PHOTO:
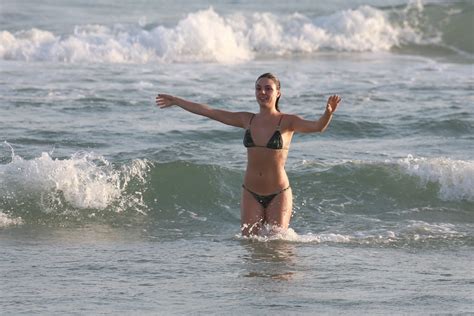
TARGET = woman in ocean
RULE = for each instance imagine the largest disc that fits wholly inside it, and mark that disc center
(267, 199)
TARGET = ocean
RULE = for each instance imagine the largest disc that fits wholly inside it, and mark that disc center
(110, 205)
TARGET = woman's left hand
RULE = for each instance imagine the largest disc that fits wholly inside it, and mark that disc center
(333, 102)
(165, 100)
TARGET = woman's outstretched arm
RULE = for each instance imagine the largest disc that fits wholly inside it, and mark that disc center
(300, 125)
(237, 119)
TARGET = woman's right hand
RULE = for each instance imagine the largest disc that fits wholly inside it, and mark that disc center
(165, 100)
(333, 102)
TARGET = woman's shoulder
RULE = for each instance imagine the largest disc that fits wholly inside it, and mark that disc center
(289, 120)
(246, 117)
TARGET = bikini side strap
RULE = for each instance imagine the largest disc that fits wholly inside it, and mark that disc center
(250, 122)
(279, 122)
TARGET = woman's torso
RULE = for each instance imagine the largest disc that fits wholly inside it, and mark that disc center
(265, 172)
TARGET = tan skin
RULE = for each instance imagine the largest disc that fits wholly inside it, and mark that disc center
(265, 173)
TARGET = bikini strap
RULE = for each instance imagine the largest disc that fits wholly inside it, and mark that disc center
(250, 122)
(279, 123)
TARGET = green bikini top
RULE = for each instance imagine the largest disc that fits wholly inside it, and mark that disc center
(275, 142)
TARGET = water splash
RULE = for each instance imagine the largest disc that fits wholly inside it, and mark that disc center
(454, 177)
(207, 36)
(85, 181)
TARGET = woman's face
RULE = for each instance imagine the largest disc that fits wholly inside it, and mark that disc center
(266, 92)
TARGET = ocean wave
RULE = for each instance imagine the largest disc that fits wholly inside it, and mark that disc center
(445, 127)
(406, 233)
(80, 186)
(455, 178)
(207, 36)
(6, 220)
(88, 187)
(407, 181)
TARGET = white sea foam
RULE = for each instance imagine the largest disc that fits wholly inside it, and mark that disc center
(454, 177)
(6, 220)
(411, 231)
(84, 181)
(206, 36)
(422, 230)
(275, 234)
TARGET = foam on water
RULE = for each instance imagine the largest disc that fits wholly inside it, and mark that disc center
(277, 234)
(207, 36)
(454, 177)
(6, 220)
(84, 181)
(401, 234)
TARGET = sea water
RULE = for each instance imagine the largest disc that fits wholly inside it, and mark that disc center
(110, 205)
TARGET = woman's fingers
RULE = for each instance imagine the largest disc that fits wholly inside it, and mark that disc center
(333, 102)
(162, 100)
(335, 98)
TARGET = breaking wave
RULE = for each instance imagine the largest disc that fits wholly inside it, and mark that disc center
(88, 187)
(207, 36)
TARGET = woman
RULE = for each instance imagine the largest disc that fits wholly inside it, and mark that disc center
(267, 199)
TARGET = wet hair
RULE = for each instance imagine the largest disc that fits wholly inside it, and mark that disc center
(274, 78)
